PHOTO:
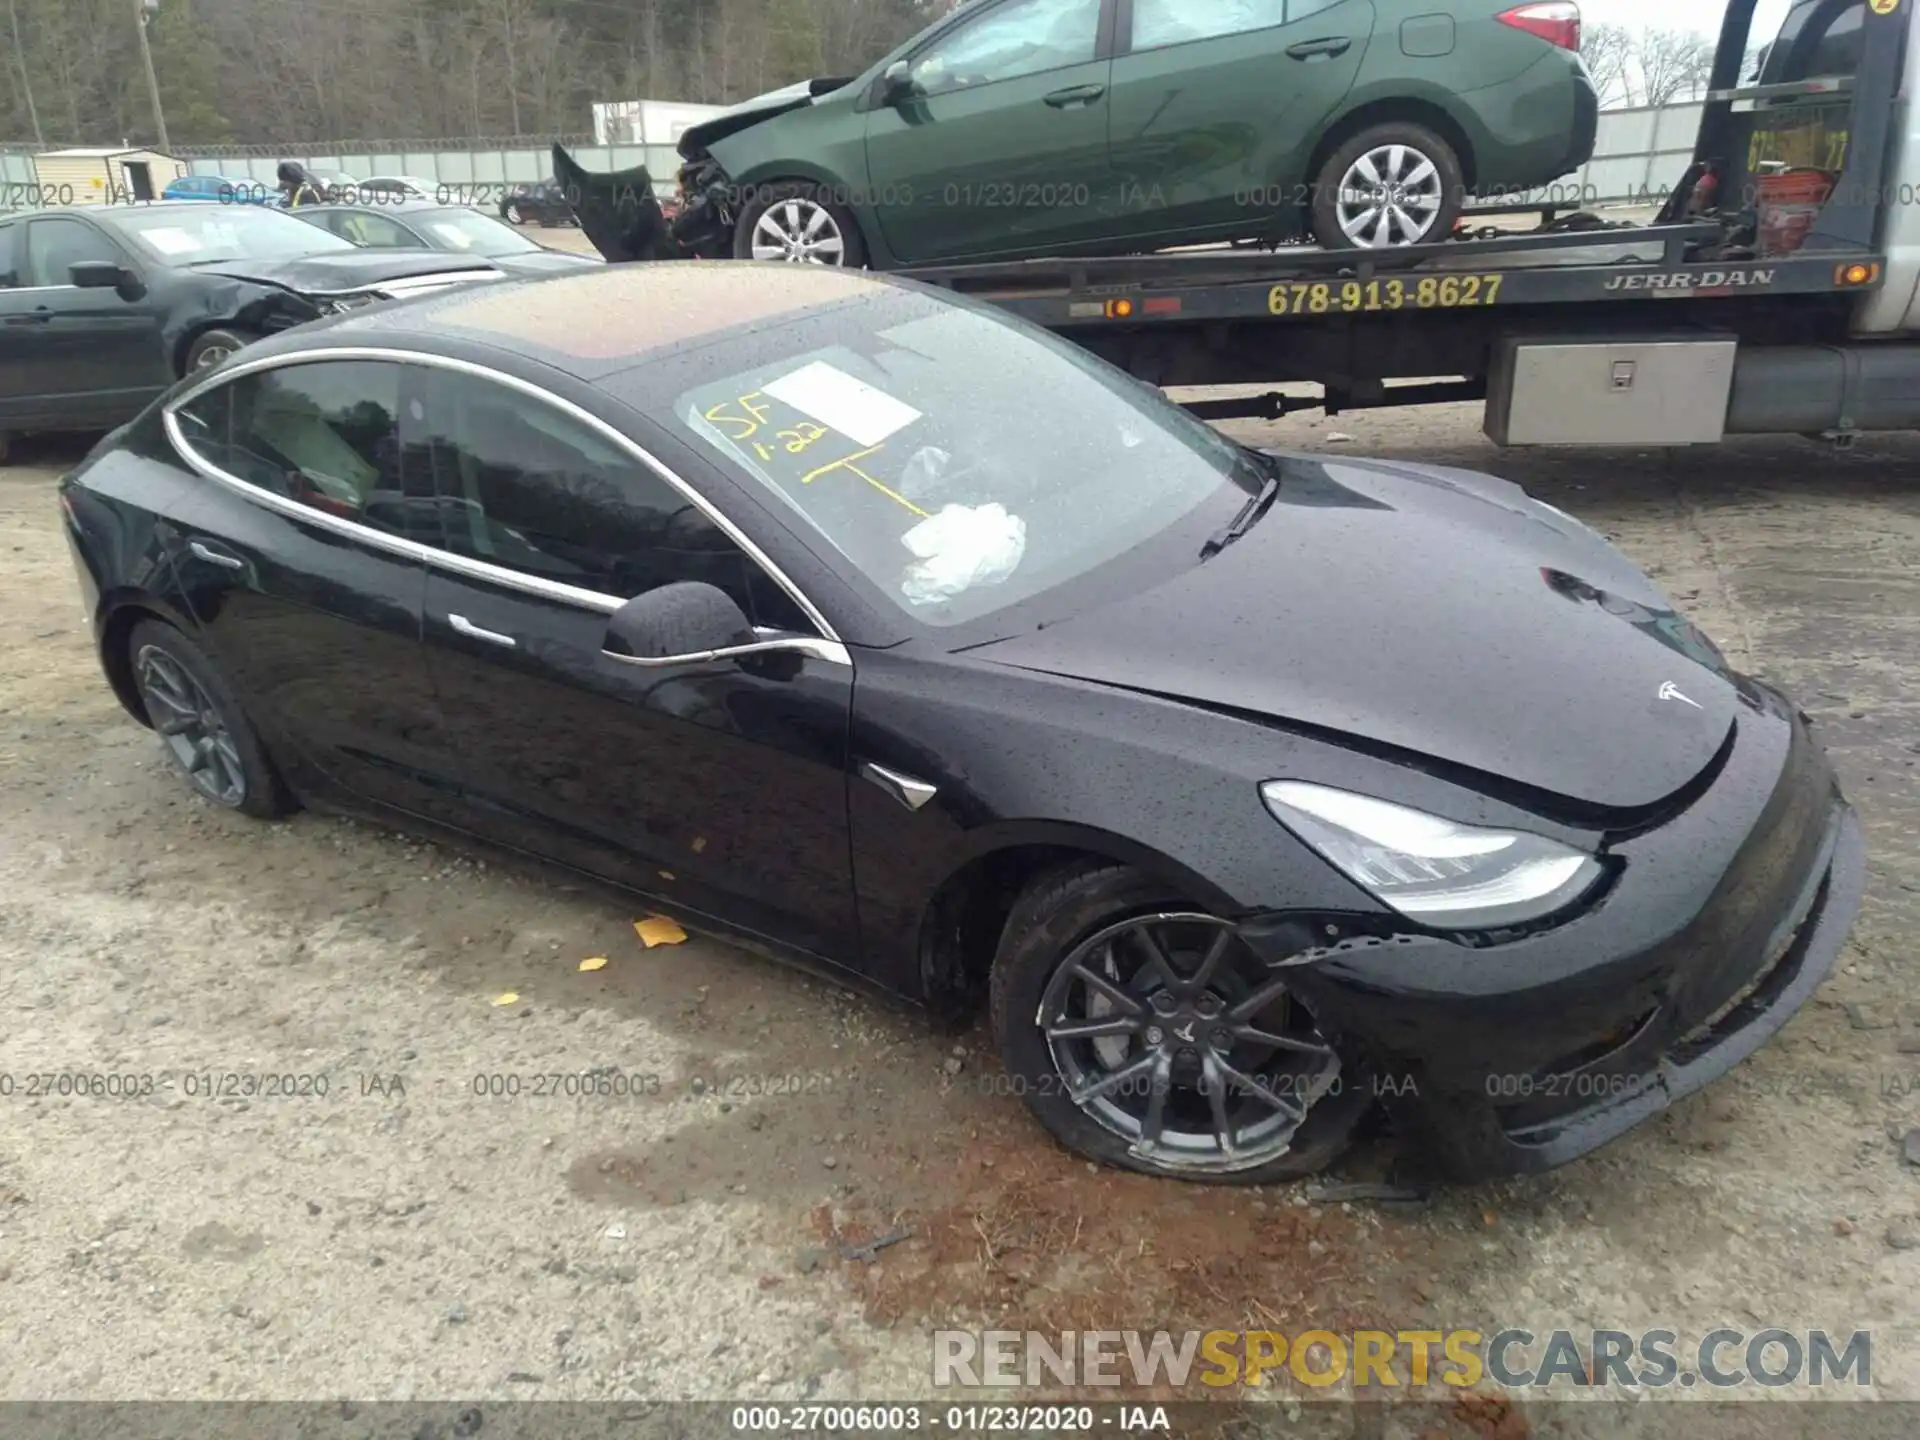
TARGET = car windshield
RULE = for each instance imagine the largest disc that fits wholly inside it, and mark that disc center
(961, 463)
(208, 233)
(470, 232)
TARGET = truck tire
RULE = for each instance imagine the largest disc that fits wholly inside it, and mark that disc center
(1390, 185)
(799, 222)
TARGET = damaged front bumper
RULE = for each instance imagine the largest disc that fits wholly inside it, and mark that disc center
(1509, 1058)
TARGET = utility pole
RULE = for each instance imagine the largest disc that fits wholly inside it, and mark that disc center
(142, 11)
(26, 81)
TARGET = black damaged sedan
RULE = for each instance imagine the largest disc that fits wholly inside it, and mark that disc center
(102, 307)
(915, 645)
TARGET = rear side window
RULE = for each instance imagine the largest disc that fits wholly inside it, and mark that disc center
(325, 435)
(527, 488)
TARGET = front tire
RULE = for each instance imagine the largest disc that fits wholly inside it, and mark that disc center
(1389, 186)
(799, 223)
(205, 733)
(1143, 1033)
(213, 346)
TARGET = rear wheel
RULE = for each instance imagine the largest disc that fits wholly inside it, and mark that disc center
(513, 216)
(1144, 1033)
(801, 224)
(1390, 185)
(201, 726)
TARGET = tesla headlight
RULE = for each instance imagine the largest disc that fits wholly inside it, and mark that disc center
(1439, 872)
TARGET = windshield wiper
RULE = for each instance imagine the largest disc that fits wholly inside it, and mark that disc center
(1249, 516)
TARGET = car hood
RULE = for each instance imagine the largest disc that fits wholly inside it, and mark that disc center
(697, 138)
(544, 262)
(1441, 613)
(344, 270)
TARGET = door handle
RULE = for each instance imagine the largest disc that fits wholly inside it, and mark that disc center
(492, 637)
(212, 556)
(1320, 49)
(1077, 95)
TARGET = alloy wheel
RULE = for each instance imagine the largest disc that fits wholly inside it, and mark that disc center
(212, 356)
(190, 725)
(801, 232)
(1167, 1031)
(1389, 196)
(513, 215)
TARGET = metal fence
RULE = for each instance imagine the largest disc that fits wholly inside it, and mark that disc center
(1639, 155)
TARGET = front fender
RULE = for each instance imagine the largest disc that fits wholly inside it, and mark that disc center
(222, 303)
(1021, 760)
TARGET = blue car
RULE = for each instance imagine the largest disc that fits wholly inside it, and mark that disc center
(219, 188)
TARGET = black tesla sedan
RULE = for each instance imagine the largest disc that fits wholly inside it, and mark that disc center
(457, 229)
(917, 645)
(103, 307)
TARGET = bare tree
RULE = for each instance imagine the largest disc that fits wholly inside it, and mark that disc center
(1608, 51)
(1674, 65)
(26, 79)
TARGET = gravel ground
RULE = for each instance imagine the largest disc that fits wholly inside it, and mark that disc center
(402, 1236)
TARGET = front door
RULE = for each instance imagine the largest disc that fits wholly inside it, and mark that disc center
(1001, 143)
(98, 357)
(719, 786)
(1217, 106)
(298, 570)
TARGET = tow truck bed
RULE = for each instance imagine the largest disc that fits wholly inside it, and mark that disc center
(1576, 267)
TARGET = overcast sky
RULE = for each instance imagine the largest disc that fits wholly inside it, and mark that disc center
(1678, 15)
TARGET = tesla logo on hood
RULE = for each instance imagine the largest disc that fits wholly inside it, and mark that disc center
(1670, 691)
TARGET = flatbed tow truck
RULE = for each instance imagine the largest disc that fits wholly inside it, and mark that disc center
(1776, 291)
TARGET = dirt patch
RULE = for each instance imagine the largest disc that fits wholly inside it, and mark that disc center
(1026, 1237)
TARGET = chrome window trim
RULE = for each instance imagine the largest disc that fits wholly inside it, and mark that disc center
(446, 559)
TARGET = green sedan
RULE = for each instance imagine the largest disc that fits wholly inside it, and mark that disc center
(1017, 128)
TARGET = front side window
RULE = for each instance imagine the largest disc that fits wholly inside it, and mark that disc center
(55, 244)
(1158, 23)
(471, 233)
(9, 257)
(375, 230)
(323, 434)
(530, 489)
(959, 463)
(1022, 37)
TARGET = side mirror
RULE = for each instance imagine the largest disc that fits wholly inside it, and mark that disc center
(105, 275)
(677, 624)
(897, 83)
(97, 275)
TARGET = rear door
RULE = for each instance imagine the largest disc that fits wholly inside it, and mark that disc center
(301, 557)
(1002, 145)
(1218, 104)
(95, 357)
(721, 785)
